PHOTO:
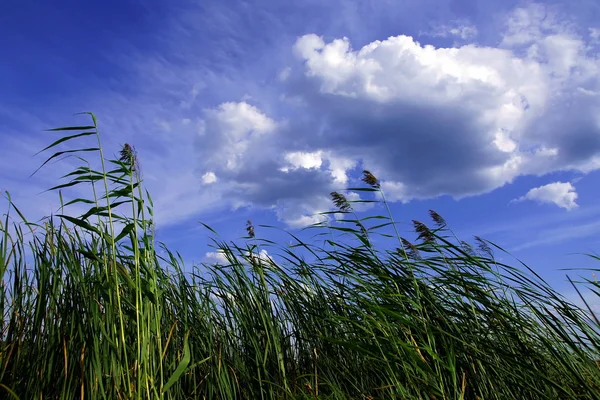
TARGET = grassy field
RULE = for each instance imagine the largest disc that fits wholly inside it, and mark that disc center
(93, 309)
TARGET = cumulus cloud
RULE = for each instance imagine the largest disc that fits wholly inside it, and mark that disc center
(264, 256)
(460, 121)
(428, 121)
(231, 131)
(395, 191)
(302, 212)
(336, 166)
(355, 200)
(562, 194)
(425, 118)
(299, 159)
(215, 257)
(218, 257)
(260, 162)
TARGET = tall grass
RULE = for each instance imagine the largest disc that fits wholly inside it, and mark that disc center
(91, 310)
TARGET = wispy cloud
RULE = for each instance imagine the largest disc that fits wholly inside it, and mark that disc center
(459, 29)
(560, 234)
(594, 34)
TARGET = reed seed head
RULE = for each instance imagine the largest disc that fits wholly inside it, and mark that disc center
(467, 248)
(424, 232)
(411, 249)
(250, 228)
(437, 218)
(340, 201)
(370, 179)
(363, 230)
(483, 246)
(128, 155)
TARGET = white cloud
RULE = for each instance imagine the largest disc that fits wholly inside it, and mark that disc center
(300, 214)
(215, 257)
(339, 216)
(526, 25)
(491, 85)
(395, 191)
(553, 39)
(230, 131)
(299, 159)
(400, 68)
(264, 256)
(504, 143)
(461, 29)
(304, 221)
(592, 300)
(243, 147)
(284, 74)
(209, 178)
(242, 119)
(562, 194)
(464, 32)
(222, 297)
(219, 257)
(462, 120)
(458, 120)
(358, 207)
(337, 166)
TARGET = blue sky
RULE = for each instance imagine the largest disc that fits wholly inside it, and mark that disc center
(485, 111)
